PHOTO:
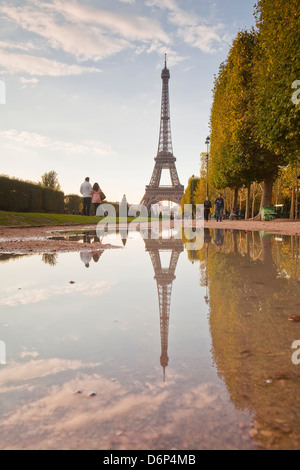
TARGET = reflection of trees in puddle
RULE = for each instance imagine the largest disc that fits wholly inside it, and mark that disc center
(252, 285)
(92, 236)
(50, 258)
(5, 257)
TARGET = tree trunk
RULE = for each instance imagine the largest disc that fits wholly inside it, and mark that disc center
(278, 190)
(235, 198)
(253, 205)
(296, 203)
(268, 264)
(235, 245)
(248, 245)
(266, 199)
(292, 212)
(247, 204)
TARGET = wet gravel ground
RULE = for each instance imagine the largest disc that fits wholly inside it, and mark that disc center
(38, 239)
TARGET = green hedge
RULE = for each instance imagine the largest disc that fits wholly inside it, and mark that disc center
(73, 203)
(23, 196)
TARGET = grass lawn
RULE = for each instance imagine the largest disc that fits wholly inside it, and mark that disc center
(23, 219)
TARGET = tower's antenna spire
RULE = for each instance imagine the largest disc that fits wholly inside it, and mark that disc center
(165, 61)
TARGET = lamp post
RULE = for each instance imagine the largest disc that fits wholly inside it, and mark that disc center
(207, 155)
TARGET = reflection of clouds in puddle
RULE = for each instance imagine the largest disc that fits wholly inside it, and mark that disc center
(116, 417)
(47, 421)
(38, 368)
(29, 354)
(31, 295)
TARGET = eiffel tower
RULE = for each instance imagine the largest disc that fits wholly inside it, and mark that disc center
(164, 278)
(165, 158)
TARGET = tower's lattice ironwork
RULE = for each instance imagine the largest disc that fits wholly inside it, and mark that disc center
(164, 277)
(165, 159)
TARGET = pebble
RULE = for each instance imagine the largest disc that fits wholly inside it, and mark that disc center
(285, 429)
(253, 432)
(295, 318)
(92, 393)
(78, 391)
(266, 433)
(72, 282)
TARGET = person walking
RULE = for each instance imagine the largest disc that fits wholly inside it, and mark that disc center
(207, 207)
(86, 191)
(96, 197)
(219, 238)
(219, 203)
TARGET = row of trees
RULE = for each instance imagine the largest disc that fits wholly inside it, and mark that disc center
(255, 132)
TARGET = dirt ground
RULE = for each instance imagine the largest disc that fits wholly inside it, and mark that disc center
(280, 226)
(36, 239)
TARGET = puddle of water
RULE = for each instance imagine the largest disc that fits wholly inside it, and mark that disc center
(92, 236)
(138, 348)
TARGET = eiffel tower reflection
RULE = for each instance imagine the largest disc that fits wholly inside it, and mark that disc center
(164, 278)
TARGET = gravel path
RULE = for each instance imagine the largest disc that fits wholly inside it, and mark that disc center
(36, 239)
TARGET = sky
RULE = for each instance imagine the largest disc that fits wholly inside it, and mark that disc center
(80, 86)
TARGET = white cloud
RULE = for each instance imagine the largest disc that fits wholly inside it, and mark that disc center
(39, 66)
(128, 26)
(205, 38)
(93, 34)
(28, 81)
(173, 57)
(35, 140)
(87, 33)
(169, 4)
(192, 29)
(12, 45)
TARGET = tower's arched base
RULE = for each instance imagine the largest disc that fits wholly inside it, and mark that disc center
(155, 195)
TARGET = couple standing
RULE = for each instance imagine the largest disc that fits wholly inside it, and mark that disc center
(219, 204)
(91, 195)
